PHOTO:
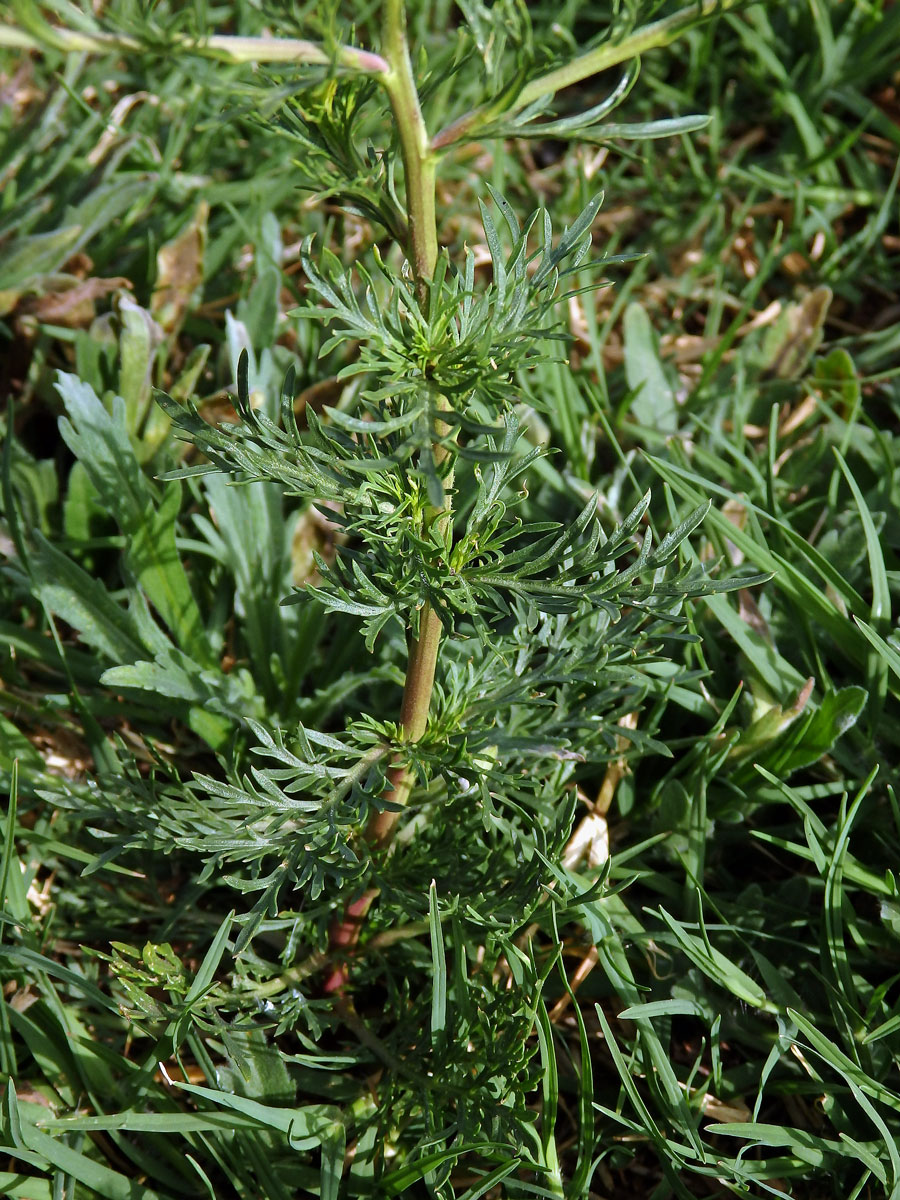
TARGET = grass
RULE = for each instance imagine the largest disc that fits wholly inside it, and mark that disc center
(712, 1010)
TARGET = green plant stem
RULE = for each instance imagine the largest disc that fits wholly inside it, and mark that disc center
(420, 669)
(418, 159)
(650, 37)
(419, 169)
(224, 46)
(419, 165)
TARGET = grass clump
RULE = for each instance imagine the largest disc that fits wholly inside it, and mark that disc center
(448, 702)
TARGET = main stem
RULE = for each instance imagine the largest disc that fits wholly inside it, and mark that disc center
(419, 170)
(418, 160)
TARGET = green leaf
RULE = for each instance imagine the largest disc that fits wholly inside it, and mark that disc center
(640, 131)
(84, 603)
(305, 1127)
(207, 969)
(811, 739)
(24, 1187)
(174, 674)
(138, 341)
(889, 653)
(808, 1148)
(398, 1181)
(835, 1057)
(438, 966)
(30, 257)
(653, 404)
(662, 1008)
(15, 745)
(100, 441)
(836, 374)
(719, 967)
(50, 1153)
